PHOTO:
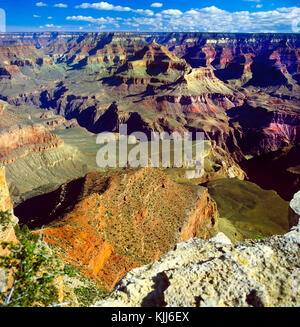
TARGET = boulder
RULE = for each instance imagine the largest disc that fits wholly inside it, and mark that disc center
(294, 210)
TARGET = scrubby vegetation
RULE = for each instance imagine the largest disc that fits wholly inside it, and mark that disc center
(87, 296)
(33, 270)
(4, 219)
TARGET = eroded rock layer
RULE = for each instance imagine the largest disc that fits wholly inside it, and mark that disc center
(241, 90)
(35, 158)
(108, 223)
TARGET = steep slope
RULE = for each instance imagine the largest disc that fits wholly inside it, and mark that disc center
(36, 160)
(108, 223)
(73, 289)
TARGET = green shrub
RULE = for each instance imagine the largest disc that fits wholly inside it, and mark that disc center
(34, 269)
(69, 270)
(88, 295)
(259, 237)
(4, 219)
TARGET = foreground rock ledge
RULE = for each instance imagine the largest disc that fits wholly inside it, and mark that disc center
(216, 273)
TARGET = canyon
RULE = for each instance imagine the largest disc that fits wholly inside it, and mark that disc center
(59, 90)
(163, 82)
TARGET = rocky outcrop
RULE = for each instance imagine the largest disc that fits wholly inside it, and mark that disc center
(294, 210)
(215, 273)
(108, 223)
(7, 218)
(7, 232)
(69, 288)
(5, 201)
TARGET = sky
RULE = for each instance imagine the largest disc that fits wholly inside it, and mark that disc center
(250, 16)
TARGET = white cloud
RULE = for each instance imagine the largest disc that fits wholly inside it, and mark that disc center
(102, 6)
(36, 16)
(145, 12)
(61, 5)
(209, 19)
(41, 4)
(296, 25)
(108, 6)
(213, 19)
(90, 19)
(212, 10)
(172, 12)
(259, 6)
(50, 17)
(156, 5)
(52, 26)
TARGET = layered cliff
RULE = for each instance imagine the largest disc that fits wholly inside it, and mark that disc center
(215, 83)
(35, 158)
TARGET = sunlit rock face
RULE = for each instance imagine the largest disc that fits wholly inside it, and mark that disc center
(108, 223)
(5, 201)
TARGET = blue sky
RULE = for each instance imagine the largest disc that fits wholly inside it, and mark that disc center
(160, 15)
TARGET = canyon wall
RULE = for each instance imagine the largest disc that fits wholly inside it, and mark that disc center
(217, 83)
(35, 158)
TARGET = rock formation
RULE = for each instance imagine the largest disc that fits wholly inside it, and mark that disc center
(108, 223)
(7, 233)
(69, 288)
(5, 200)
(215, 83)
(215, 273)
(7, 223)
(27, 141)
(294, 210)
